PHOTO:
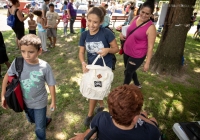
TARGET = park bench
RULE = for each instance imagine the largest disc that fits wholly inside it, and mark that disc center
(121, 18)
(78, 17)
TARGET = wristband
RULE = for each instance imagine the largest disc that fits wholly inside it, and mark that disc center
(83, 63)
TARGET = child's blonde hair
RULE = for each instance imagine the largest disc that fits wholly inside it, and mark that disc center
(31, 39)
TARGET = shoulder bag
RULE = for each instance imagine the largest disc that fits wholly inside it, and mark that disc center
(14, 95)
(96, 83)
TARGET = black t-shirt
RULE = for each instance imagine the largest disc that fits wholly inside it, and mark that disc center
(18, 23)
(93, 44)
(192, 18)
(108, 131)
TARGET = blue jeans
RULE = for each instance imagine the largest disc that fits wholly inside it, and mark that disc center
(38, 116)
(65, 28)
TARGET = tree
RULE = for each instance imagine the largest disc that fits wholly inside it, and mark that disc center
(168, 56)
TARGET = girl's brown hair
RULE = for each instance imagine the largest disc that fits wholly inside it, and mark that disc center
(37, 13)
(97, 11)
(14, 1)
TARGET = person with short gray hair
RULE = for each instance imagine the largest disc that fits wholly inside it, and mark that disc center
(72, 15)
(45, 8)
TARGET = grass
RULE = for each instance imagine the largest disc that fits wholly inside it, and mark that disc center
(169, 99)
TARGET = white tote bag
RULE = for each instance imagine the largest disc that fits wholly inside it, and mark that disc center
(96, 83)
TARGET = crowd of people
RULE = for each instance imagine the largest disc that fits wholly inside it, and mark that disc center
(125, 119)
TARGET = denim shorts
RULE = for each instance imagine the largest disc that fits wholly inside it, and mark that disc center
(51, 32)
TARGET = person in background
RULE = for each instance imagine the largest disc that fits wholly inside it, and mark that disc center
(32, 25)
(113, 8)
(193, 19)
(53, 20)
(90, 6)
(139, 44)
(89, 3)
(77, 4)
(138, 10)
(3, 54)
(156, 14)
(106, 7)
(65, 22)
(19, 20)
(45, 8)
(131, 14)
(64, 7)
(72, 16)
(41, 30)
(34, 6)
(106, 21)
(197, 31)
(125, 119)
(83, 22)
(127, 8)
(105, 24)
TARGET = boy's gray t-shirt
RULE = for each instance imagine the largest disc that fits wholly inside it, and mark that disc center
(32, 81)
(45, 8)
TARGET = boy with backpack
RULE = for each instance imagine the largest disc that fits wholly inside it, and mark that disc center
(35, 74)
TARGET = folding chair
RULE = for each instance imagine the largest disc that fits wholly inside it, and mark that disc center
(95, 130)
(89, 135)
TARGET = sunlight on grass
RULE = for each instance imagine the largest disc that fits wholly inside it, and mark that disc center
(193, 58)
(178, 105)
(76, 78)
(120, 64)
(146, 83)
(197, 70)
(71, 117)
(68, 39)
(60, 136)
(65, 95)
(169, 93)
(62, 53)
(70, 61)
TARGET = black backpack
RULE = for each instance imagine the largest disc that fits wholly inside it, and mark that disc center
(14, 95)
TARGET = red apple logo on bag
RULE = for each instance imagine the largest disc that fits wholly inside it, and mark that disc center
(99, 76)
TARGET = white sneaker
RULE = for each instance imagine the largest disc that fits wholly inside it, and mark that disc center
(140, 86)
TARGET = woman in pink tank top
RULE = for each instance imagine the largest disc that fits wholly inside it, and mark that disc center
(139, 44)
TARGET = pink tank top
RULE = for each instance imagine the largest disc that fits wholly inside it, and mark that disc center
(136, 45)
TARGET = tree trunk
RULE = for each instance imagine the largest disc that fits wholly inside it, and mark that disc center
(168, 57)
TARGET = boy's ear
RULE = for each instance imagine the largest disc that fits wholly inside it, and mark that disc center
(40, 51)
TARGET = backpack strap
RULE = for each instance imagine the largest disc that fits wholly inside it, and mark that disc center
(19, 63)
(137, 28)
(16, 11)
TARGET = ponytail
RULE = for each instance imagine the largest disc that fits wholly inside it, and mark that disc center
(99, 11)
